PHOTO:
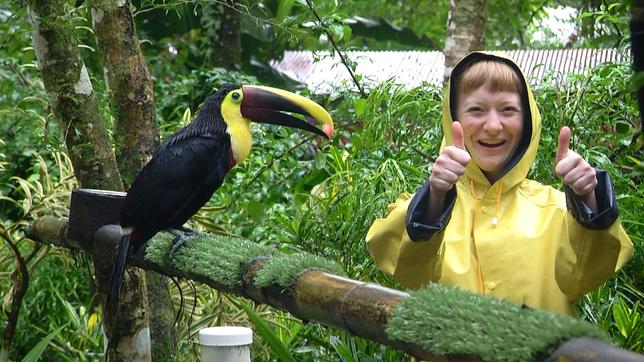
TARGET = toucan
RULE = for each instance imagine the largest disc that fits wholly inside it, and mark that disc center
(191, 164)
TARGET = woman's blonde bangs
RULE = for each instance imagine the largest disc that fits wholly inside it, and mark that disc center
(496, 76)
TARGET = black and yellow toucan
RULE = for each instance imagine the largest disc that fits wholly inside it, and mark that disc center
(190, 165)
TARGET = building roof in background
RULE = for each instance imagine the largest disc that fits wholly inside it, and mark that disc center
(412, 68)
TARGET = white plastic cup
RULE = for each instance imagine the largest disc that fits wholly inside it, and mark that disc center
(225, 344)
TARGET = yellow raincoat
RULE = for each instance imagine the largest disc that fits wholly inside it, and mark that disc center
(517, 239)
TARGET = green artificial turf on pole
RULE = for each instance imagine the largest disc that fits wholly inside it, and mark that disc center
(451, 321)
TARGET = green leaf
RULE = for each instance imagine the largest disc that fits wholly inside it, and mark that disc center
(256, 210)
(360, 105)
(37, 351)
(622, 127)
(621, 316)
(613, 6)
(346, 36)
(342, 349)
(319, 161)
(187, 116)
(277, 346)
(337, 30)
(638, 170)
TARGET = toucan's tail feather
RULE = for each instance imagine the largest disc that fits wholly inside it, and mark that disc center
(117, 273)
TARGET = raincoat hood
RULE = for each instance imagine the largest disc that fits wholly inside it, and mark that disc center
(519, 164)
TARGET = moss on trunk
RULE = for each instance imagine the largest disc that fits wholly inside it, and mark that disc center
(71, 95)
(72, 99)
(136, 137)
(130, 86)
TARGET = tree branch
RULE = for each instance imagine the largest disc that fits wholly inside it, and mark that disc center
(364, 309)
(337, 49)
(20, 277)
(278, 157)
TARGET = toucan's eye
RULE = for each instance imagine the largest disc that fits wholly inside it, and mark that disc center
(235, 96)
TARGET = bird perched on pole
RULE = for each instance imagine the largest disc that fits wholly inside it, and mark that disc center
(190, 165)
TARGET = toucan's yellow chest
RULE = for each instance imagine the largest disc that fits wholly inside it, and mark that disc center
(238, 128)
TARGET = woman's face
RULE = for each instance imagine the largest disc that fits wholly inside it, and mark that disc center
(492, 123)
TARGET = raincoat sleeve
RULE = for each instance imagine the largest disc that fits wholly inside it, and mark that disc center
(418, 227)
(607, 211)
(411, 263)
(597, 245)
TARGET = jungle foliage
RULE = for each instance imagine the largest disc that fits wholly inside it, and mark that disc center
(294, 193)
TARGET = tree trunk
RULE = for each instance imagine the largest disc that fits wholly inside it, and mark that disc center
(465, 30)
(20, 279)
(71, 95)
(221, 24)
(72, 99)
(130, 86)
(163, 334)
(637, 48)
(136, 137)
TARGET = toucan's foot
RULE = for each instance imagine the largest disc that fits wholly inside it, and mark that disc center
(180, 232)
(181, 236)
(178, 241)
(184, 230)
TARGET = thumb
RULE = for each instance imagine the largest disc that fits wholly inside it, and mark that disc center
(457, 135)
(564, 143)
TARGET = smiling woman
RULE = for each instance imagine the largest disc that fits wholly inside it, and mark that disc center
(483, 225)
(489, 110)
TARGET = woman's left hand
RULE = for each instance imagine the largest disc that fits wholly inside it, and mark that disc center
(574, 171)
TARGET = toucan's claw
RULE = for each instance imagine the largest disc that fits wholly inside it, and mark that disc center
(182, 229)
(181, 236)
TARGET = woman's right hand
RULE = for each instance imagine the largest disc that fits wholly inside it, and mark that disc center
(450, 164)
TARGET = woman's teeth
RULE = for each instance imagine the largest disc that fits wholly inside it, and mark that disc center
(491, 143)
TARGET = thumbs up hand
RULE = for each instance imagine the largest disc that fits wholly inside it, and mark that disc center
(450, 164)
(574, 171)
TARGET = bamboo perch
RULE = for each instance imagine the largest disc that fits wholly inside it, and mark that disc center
(360, 308)
(363, 309)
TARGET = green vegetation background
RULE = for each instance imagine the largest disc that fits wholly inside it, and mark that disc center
(314, 197)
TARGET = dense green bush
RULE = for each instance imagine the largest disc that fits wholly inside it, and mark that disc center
(322, 198)
(392, 138)
(378, 163)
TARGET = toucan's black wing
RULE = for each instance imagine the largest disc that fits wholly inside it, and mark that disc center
(175, 184)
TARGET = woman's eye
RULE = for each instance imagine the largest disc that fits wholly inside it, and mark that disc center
(510, 110)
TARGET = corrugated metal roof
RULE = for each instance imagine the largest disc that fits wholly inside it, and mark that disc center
(322, 72)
